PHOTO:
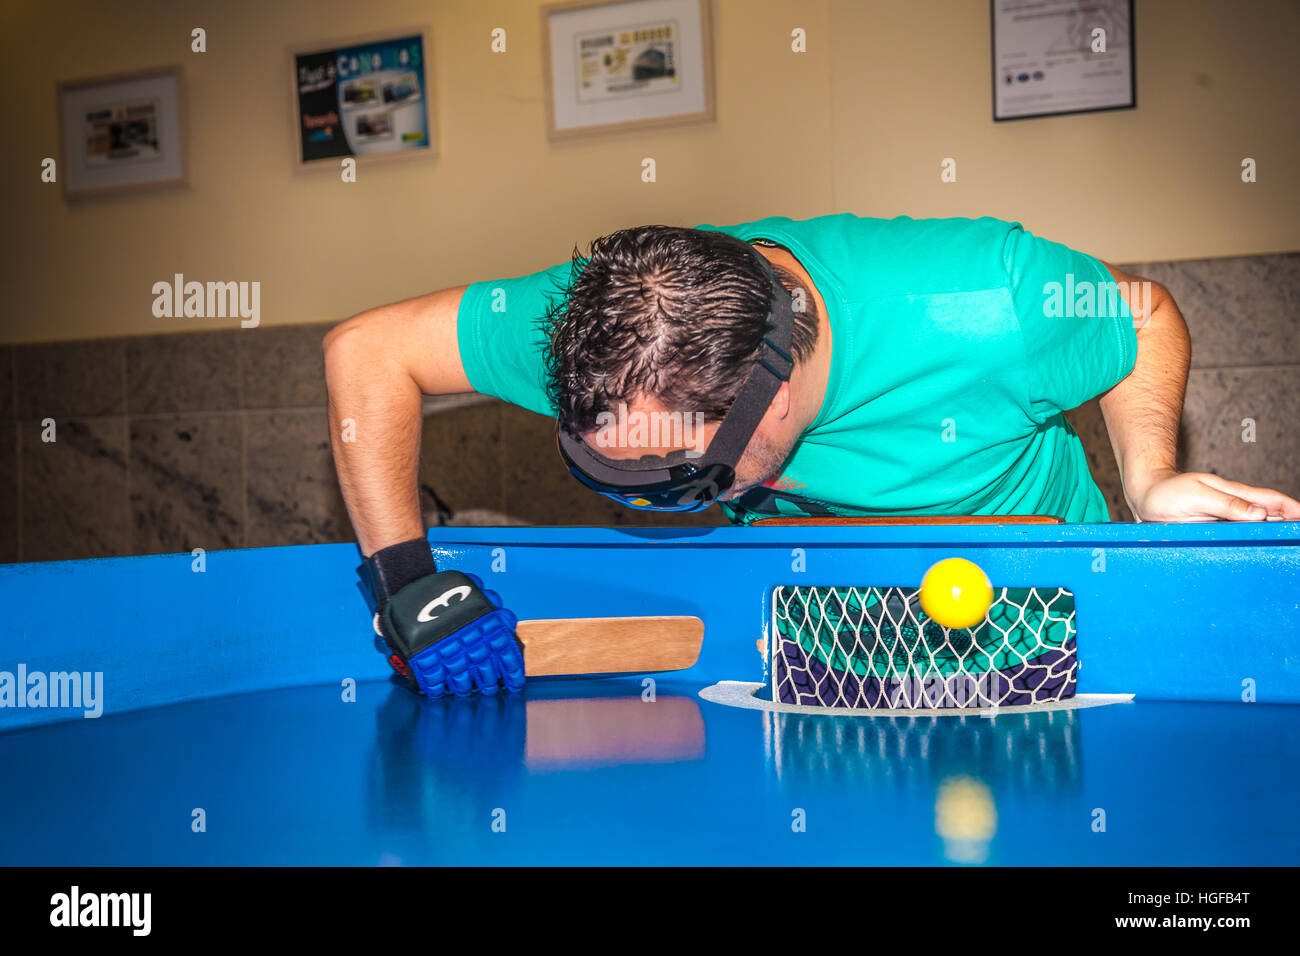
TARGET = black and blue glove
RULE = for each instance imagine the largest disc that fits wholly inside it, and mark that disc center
(443, 632)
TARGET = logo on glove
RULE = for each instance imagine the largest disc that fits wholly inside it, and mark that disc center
(442, 600)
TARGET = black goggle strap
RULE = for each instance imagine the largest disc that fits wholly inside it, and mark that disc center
(756, 394)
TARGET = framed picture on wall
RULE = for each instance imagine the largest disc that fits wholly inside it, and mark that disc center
(633, 64)
(367, 97)
(121, 132)
(1062, 56)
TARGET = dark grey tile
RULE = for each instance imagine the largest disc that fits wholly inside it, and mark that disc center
(186, 372)
(293, 494)
(7, 406)
(1091, 428)
(187, 488)
(8, 492)
(1239, 311)
(74, 490)
(461, 461)
(538, 488)
(1224, 407)
(70, 379)
(282, 367)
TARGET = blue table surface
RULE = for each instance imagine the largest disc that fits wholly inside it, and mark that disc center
(576, 772)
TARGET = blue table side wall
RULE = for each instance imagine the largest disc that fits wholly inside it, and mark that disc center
(1179, 612)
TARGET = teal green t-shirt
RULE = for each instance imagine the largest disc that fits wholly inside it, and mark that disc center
(956, 345)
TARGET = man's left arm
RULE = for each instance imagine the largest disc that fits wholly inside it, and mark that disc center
(1142, 414)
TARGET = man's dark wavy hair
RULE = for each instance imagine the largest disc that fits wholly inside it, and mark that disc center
(661, 311)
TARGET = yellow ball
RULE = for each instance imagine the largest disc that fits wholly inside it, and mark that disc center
(956, 593)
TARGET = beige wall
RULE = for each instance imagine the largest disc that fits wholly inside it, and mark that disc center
(857, 124)
(1217, 81)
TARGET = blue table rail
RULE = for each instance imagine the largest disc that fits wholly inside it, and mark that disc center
(1207, 612)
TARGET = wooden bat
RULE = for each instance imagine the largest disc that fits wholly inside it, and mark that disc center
(609, 645)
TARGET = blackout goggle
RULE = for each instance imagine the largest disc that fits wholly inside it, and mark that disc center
(689, 480)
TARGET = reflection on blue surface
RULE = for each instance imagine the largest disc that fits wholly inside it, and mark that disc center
(589, 772)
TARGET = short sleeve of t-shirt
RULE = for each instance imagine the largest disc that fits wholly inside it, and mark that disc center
(501, 333)
(1077, 327)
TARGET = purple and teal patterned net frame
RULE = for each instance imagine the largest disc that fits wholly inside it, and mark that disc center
(874, 648)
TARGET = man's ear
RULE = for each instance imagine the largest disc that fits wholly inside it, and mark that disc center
(780, 406)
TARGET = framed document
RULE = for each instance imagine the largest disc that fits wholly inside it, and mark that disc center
(636, 64)
(365, 97)
(121, 132)
(1062, 56)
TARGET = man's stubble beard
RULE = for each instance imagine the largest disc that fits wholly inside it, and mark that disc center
(762, 461)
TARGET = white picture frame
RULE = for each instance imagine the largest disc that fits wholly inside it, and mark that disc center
(122, 132)
(626, 65)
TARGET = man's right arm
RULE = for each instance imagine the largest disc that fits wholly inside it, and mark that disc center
(378, 365)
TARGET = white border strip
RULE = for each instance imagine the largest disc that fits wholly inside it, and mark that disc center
(736, 693)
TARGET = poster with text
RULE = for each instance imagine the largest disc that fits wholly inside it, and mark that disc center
(362, 100)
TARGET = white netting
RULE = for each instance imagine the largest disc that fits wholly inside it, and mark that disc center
(876, 648)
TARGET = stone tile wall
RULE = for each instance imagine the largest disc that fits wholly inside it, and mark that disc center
(1244, 319)
(219, 439)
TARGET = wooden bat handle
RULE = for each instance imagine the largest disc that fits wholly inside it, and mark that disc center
(886, 520)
